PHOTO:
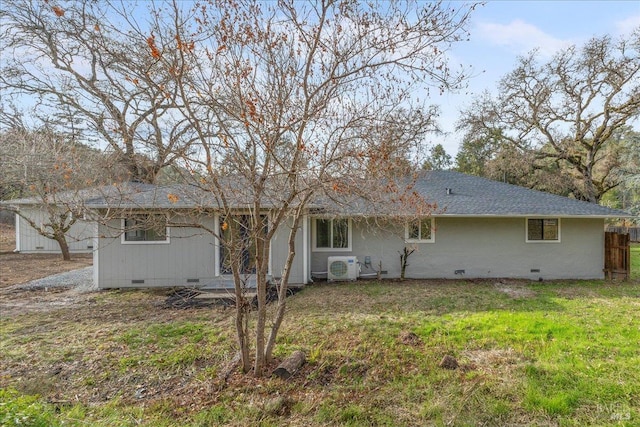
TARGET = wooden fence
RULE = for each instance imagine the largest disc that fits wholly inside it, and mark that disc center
(617, 256)
(633, 232)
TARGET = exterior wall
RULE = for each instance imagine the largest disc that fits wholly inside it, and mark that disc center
(280, 250)
(28, 240)
(483, 248)
(189, 259)
(188, 256)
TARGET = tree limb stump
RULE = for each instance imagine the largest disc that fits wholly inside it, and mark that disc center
(290, 365)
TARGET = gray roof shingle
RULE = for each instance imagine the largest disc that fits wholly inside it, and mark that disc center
(475, 196)
(469, 196)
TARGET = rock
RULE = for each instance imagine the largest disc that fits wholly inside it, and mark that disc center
(140, 393)
(448, 362)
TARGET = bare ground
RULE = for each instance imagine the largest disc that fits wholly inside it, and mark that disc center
(7, 237)
(18, 268)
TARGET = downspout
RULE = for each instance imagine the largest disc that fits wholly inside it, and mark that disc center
(269, 261)
(96, 256)
(305, 249)
(216, 245)
(17, 249)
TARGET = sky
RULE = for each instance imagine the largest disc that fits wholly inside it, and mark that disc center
(503, 30)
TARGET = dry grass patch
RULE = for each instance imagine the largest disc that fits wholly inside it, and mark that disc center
(515, 289)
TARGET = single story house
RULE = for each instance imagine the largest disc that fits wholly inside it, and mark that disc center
(480, 229)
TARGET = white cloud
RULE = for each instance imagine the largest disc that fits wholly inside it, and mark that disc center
(626, 26)
(520, 37)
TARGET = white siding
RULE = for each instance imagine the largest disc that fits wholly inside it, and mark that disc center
(280, 250)
(29, 240)
(483, 248)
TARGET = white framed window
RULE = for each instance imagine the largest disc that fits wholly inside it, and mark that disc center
(543, 230)
(144, 229)
(420, 230)
(331, 234)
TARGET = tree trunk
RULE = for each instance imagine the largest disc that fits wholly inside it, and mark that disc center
(282, 291)
(64, 247)
(242, 321)
(259, 363)
(262, 254)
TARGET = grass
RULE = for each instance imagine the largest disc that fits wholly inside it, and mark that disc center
(635, 261)
(561, 353)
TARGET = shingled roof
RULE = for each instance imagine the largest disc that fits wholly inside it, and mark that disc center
(453, 193)
(458, 194)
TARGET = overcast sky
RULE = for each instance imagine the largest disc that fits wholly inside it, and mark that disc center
(503, 30)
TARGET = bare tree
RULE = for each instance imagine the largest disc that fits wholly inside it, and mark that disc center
(285, 98)
(566, 111)
(51, 171)
(88, 63)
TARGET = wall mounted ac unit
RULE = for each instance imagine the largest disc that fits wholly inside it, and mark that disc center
(342, 268)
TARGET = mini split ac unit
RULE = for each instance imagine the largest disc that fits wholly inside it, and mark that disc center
(342, 268)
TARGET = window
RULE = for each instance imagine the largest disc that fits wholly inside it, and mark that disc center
(420, 230)
(332, 234)
(543, 230)
(145, 228)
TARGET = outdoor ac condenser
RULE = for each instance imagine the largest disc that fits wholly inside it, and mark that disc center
(342, 268)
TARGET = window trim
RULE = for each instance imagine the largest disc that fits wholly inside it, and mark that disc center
(432, 239)
(123, 230)
(314, 233)
(526, 230)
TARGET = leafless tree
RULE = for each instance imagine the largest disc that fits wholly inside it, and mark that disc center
(285, 98)
(565, 112)
(50, 170)
(90, 61)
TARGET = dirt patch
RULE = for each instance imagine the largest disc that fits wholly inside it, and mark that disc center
(497, 362)
(515, 290)
(409, 338)
(7, 237)
(21, 268)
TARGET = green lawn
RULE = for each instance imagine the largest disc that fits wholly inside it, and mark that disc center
(635, 261)
(565, 353)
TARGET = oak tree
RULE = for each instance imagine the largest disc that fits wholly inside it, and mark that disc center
(90, 61)
(564, 112)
